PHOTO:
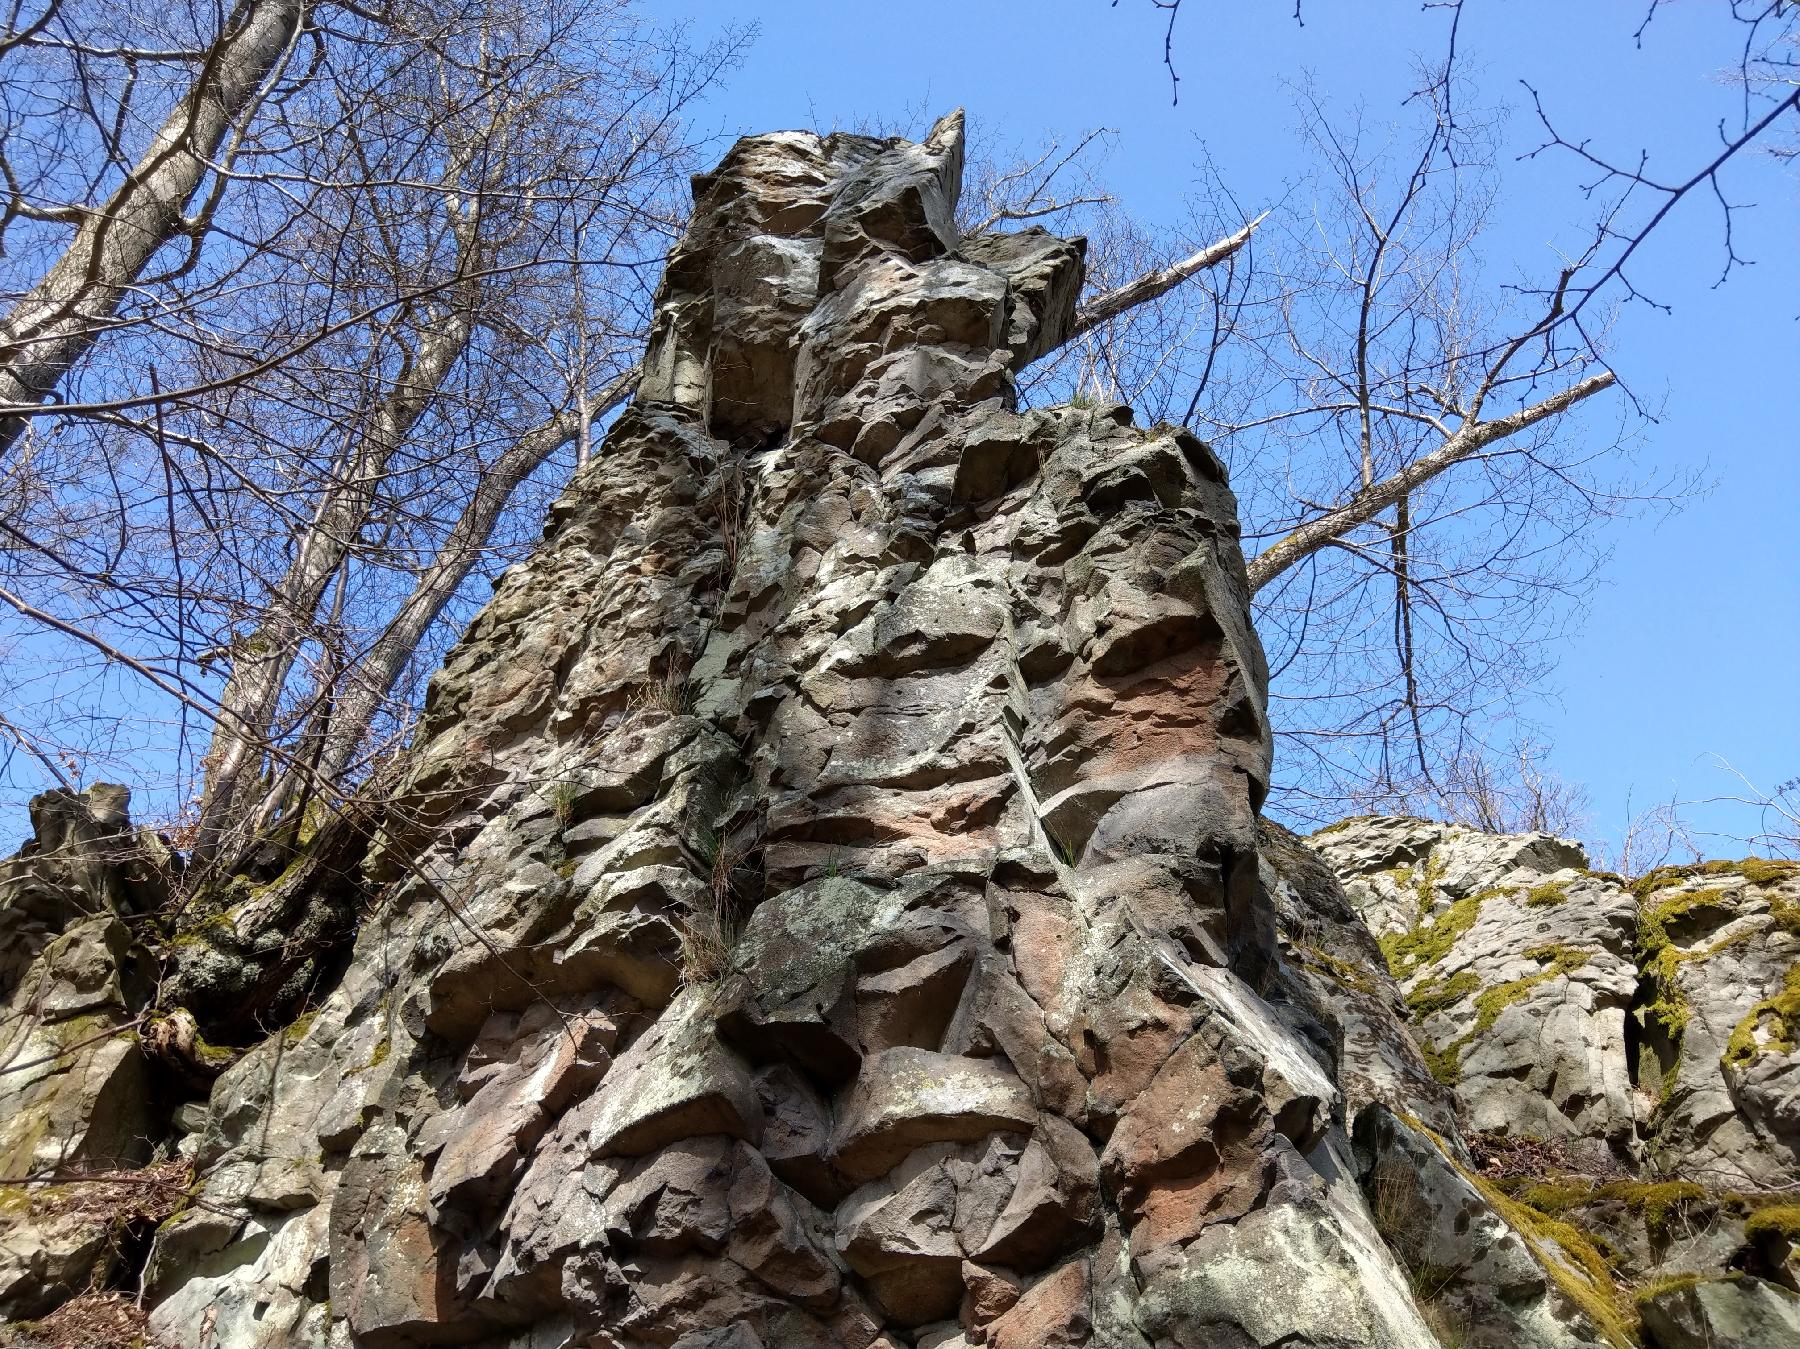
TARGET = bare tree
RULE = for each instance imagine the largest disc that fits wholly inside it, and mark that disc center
(114, 238)
(416, 301)
(1419, 496)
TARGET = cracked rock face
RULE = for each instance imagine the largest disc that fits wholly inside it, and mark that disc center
(1517, 967)
(1659, 1019)
(1720, 947)
(825, 903)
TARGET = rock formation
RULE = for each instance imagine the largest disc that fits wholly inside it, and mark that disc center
(825, 904)
(1634, 1046)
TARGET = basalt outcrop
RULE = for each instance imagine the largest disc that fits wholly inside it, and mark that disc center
(1632, 1046)
(825, 903)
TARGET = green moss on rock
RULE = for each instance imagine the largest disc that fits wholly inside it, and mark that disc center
(1437, 995)
(1656, 1201)
(1560, 960)
(1756, 870)
(1577, 1265)
(1678, 1283)
(1445, 1065)
(1782, 1015)
(1654, 919)
(1774, 1220)
(1429, 941)
(1339, 970)
(1546, 896)
(1767, 871)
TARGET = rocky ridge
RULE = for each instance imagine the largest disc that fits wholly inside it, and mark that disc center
(825, 904)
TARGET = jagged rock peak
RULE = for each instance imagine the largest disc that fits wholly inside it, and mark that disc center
(825, 905)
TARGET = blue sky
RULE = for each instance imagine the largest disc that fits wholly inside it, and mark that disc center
(1688, 648)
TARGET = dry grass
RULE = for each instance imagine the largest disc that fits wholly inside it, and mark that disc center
(708, 938)
(729, 500)
(670, 694)
(1511, 1157)
(146, 1194)
(91, 1321)
(709, 934)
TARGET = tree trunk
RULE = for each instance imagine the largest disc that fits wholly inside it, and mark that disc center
(59, 319)
(244, 731)
(343, 725)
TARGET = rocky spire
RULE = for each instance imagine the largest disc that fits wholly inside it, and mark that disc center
(825, 902)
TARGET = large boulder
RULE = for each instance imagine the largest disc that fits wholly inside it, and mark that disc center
(1706, 1313)
(1516, 963)
(1720, 1020)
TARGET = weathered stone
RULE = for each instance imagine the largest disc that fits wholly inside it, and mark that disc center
(1720, 1019)
(1743, 1313)
(676, 1082)
(825, 904)
(906, 1098)
(1517, 965)
(76, 1094)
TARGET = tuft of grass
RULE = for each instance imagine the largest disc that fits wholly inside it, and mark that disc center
(728, 500)
(670, 694)
(708, 936)
(563, 796)
(710, 930)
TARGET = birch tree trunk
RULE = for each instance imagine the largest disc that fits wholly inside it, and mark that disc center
(53, 325)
